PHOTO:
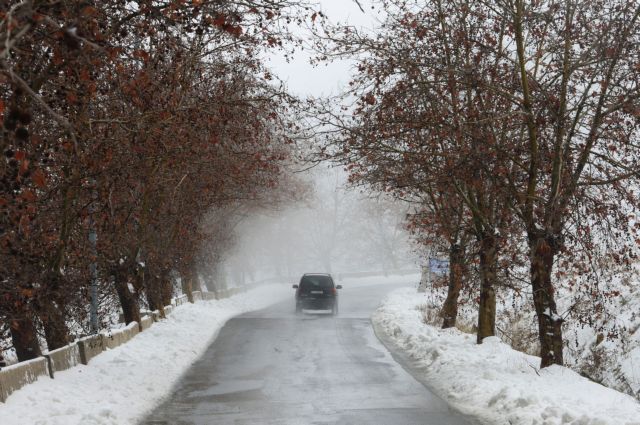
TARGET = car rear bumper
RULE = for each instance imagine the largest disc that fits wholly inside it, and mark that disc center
(317, 303)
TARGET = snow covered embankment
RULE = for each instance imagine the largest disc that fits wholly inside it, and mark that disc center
(493, 382)
(119, 386)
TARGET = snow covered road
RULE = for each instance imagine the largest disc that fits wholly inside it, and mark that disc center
(273, 367)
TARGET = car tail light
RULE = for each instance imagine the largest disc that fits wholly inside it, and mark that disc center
(334, 291)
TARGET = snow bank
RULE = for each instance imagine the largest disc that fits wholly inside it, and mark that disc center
(120, 385)
(493, 382)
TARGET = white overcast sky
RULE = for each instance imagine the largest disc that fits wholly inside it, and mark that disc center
(300, 76)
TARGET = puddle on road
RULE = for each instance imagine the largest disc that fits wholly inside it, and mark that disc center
(228, 387)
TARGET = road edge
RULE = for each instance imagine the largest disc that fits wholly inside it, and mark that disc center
(413, 369)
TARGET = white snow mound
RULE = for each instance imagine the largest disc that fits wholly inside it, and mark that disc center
(120, 386)
(493, 382)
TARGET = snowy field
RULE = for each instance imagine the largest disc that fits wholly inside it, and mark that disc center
(493, 382)
(119, 386)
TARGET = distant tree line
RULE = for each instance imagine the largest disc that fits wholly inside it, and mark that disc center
(125, 126)
(512, 126)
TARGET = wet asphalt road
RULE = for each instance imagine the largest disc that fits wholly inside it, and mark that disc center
(275, 367)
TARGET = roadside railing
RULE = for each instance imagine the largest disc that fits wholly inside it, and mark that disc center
(83, 350)
(16, 376)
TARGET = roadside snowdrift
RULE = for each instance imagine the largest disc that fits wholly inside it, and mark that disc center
(493, 382)
(119, 386)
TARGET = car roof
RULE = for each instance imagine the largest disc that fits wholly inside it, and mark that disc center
(316, 274)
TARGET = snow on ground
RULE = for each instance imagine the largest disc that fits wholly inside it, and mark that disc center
(119, 386)
(608, 351)
(493, 382)
(356, 282)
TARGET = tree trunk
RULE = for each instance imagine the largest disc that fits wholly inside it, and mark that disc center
(196, 283)
(55, 328)
(223, 278)
(51, 312)
(187, 284)
(210, 282)
(449, 311)
(128, 301)
(166, 287)
(24, 338)
(488, 276)
(153, 293)
(543, 249)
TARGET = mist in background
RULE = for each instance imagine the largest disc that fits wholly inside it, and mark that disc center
(336, 230)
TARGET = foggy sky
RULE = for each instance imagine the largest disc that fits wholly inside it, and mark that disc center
(336, 230)
(300, 76)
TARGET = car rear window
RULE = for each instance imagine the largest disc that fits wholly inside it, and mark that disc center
(309, 283)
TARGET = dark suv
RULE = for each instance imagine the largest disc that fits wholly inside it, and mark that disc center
(318, 292)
